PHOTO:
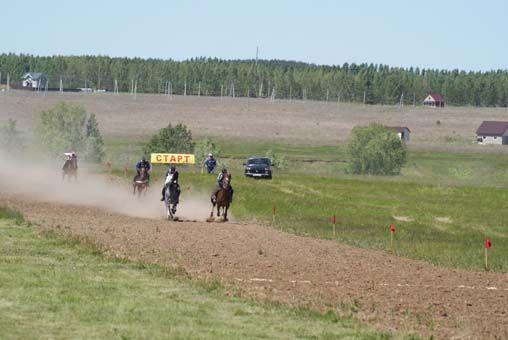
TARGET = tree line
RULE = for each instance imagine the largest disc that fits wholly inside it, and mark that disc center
(280, 79)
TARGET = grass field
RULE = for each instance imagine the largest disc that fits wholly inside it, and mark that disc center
(54, 289)
(443, 205)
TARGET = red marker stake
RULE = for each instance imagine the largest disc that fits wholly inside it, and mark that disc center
(392, 231)
(273, 213)
(334, 221)
(487, 244)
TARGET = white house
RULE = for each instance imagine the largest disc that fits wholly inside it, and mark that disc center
(35, 80)
(402, 132)
(492, 132)
(434, 99)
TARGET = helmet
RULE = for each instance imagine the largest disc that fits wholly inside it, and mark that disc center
(143, 158)
(172, 168)
(210, 155)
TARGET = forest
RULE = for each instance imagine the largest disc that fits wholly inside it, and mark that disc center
(278, 79)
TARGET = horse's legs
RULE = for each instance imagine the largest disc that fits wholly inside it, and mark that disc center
(226, 212)
(213, 208)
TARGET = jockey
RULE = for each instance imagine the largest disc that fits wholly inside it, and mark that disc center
(171, 178)
(220, 184)
(143, 163)
(210, 163)
(71, 156)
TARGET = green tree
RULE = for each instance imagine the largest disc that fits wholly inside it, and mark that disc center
(11, 140)
(375, 150)
(94, 144)
(171, 139)
(67, 127)
(62, 128)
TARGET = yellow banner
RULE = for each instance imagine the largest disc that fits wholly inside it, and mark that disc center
(172, 158)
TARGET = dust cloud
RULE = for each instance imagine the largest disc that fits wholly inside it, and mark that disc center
(43, 182)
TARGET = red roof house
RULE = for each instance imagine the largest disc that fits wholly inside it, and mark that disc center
(434, 99)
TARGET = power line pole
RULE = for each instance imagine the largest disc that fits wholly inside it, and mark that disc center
(401, 102)
(132, 87)
(61, 86)
(116, 87)
(327, 95)
(135, 89)
(364, 95)
(8, 81)
(199, 89)
(185, 89)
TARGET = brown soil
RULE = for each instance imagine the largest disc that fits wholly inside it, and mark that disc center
(255, 119)
(381, 289)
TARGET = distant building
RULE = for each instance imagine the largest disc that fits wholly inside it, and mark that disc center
(492, 132)
(35, 80)
(434, 99)
(402, 132)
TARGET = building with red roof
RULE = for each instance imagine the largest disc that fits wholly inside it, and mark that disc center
(434, 99)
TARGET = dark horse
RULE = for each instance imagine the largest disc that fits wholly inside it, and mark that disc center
(223, 199)
(70, 169)
(172, 196)
(140, 182)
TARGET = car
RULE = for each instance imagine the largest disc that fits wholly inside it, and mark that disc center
(258, 167)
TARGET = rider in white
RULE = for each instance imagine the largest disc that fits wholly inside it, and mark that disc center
(171, 178)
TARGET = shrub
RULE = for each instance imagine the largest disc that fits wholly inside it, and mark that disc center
(203, 148)
(373, 149)
(278, 160)
(171, 139)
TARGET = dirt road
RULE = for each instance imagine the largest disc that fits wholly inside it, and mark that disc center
(383, 290)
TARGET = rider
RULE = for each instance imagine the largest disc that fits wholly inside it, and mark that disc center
(210, 163)
(171, 178)
(220, 183)
(72, 158)
(143, 163)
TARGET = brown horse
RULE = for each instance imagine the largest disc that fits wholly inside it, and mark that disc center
(223, 199)
(140, 182)
(70, 169)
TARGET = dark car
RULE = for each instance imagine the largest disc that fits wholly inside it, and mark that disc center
(258, 167)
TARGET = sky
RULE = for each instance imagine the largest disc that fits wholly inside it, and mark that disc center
(443, 34)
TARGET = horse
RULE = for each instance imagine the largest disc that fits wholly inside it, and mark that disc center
(172, 197)
(70, 169)
(223, 199)
(141, 182)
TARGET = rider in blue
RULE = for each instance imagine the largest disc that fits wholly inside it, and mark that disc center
(143, 163)
(210, 163)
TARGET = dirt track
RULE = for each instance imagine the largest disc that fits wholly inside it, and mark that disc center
(387, 291)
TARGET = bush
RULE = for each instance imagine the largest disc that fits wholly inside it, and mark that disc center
(11, 140)
(171, 139)
(67, 127)
(278, 160)
(375, 150)
(203, 148)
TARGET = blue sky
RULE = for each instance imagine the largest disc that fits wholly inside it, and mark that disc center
(449, 34)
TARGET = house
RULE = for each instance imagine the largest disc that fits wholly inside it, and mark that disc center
(402, 132)
(492, 132)
(434, 99)
(35, 80)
